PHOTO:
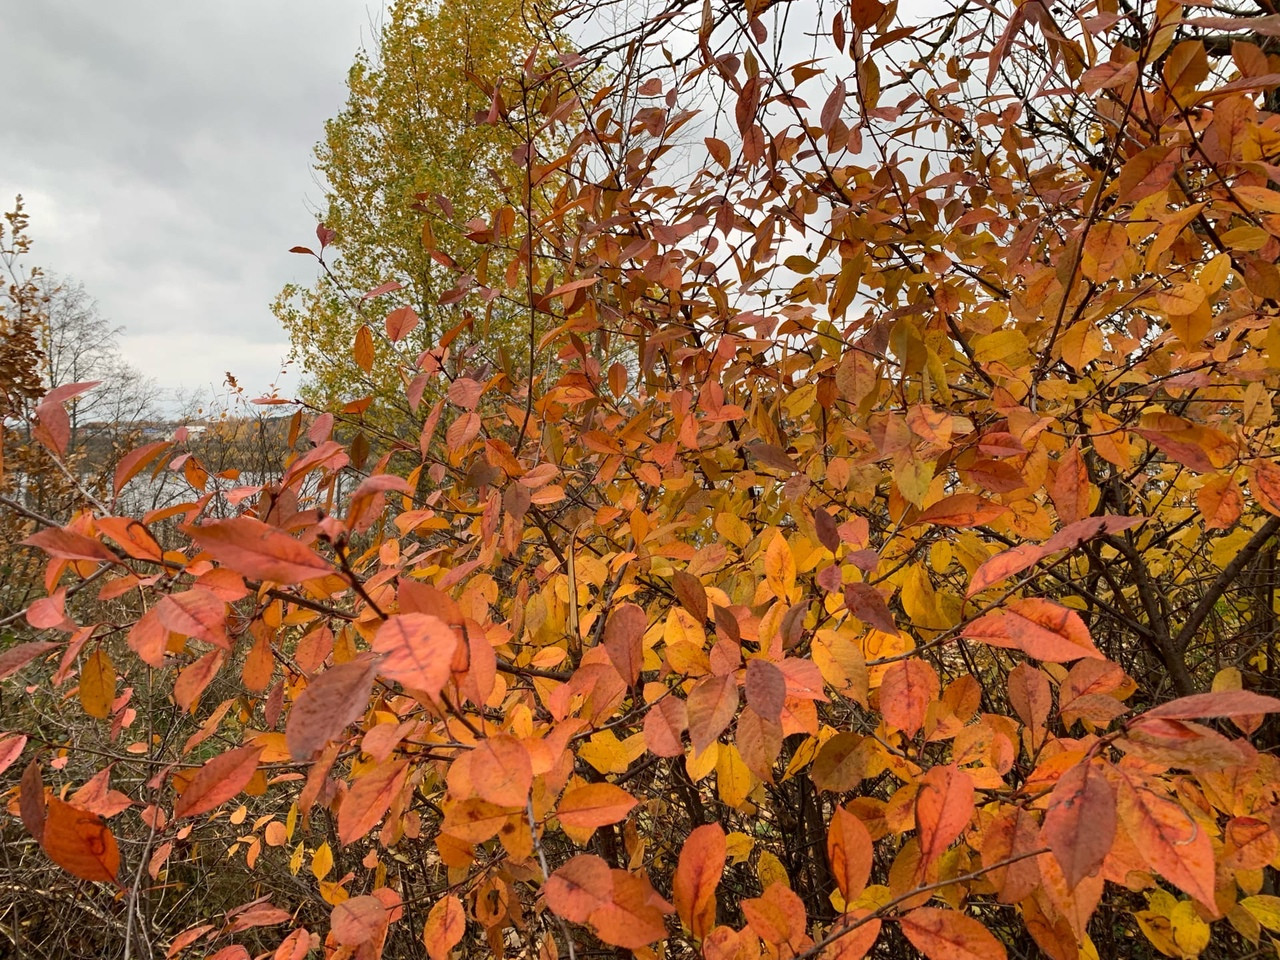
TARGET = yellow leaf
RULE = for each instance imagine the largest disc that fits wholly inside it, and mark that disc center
(97, 684)
(321, 861)
(770, 870)
(608, 754)
(739, 846)
(780, 567)
(733, 780)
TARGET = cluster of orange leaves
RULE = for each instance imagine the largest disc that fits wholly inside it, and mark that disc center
(750, 547)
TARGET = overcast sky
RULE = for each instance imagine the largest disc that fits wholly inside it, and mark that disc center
(164, 152)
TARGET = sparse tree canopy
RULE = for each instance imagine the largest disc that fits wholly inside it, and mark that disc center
(909, 588)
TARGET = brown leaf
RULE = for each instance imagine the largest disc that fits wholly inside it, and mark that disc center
(867, 604)
(330, 702)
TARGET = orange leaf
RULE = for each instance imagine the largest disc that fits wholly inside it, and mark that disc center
(80, 843)
(1220, 502)
(369, 798)
(501, 771)
(633, 918)
(97, 684)
(362, 350)
(417, 650)
(950, 935)
(358, 921)
(1080, 823)
(1172, 841)
(196, 613)
(1039, 628)
(250, 547)
(944, 806)
(1023, 556)
(850, 853)
(712, 704)
(1220, 703)
(907, 689)
(693, 888)
(444, 929)
(857, 931)
(579, 887)
(330, 702)
(594, 805)
(217, 781)
(400, 322)
(962, 510)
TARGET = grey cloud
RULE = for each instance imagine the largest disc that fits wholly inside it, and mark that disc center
(165, 153)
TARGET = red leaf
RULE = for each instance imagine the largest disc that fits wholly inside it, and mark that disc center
(19, 655)
(907, 689)
(388, 287)
(1221, 703)
(250, 547)
(1080, 823)
(330, 702)
(417, 650)
(217, 781)
(693, 890)
(80, 843)
(766, 689)
(949, 935)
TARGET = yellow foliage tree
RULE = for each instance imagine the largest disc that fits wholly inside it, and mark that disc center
(405, 166)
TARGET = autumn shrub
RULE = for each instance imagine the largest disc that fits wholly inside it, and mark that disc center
(906, 583)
